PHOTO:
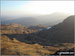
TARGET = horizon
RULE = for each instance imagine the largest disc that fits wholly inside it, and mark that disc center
(35, 8)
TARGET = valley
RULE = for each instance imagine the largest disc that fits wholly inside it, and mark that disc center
(17, 39)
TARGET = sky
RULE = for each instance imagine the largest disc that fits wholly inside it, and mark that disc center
(29, 8)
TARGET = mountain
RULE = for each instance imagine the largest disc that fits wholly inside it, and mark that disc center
(27, 21)
(60, 33)
(6, 18)
(52, 19)
(47, 20)
(46, 42)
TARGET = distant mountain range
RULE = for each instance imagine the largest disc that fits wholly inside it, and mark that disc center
(18, 40)
(52, 19)
(47, 20)
(60, 33)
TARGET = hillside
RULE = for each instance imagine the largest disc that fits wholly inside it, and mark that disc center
(60, 33)
(15, 29)
(17, 39)
(38, 27)
(15, 47)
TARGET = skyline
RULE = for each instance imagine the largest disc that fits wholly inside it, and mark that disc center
(31, 8)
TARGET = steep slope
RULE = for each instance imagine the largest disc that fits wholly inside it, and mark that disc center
(61, 33)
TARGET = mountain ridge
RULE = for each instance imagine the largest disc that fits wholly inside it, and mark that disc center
(43, 19)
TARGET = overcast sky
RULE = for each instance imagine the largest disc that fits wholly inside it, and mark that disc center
(28, 8)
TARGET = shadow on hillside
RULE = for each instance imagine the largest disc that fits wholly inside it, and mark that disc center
(28, 38)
